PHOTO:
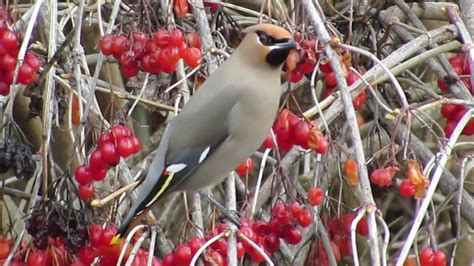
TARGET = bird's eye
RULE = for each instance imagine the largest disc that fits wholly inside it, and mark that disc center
(264, 38)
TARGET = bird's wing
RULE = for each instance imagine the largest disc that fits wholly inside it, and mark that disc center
(186, 143)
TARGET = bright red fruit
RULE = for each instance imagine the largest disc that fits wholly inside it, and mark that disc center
(450, 111)
(442, 86)
(296, 75)
(304, 218)
(162, 38)
(168, 260)
(108, 234)
(87, 255)
(407, 189)
(37, 258)
(192, 57)
(359, 100)
(245, 167)
(331, 79)
(426, 257)
(268, 142)
(293, 236)
(119, 45)
(83, 175)
(33, 61)
(4, 88)
(9, 40)
(449, 128)
(96, 161)
(272, 242)
(4, 249)
(105, 44)
(86, 191)
(315, 196)
(363, 227)
(7, 63)
(125, 147)
(26, 75)
(383, 177)
(177, 37)
(96, 233)
(325, 66)
(109, 153)
(300, 133)
(439, 258)
(195, 244)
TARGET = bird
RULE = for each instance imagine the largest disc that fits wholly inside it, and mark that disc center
(222, 124)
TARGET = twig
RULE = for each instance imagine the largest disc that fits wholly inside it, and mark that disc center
(365, 189)
(231, 203)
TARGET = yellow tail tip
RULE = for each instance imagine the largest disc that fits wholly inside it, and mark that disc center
(115, 240)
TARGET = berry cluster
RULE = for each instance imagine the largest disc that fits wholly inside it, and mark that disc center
(154, 55)
(286, 218)
(301, 61)
(428, 257)
(416, 182)
(5, 247)
(383, 177)
(454, 112)
(118, 142)
(290, 131)
(9, 48)
(100, 246)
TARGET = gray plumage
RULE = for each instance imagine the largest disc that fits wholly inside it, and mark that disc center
(224, 122)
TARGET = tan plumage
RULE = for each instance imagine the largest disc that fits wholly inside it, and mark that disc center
(224, 122)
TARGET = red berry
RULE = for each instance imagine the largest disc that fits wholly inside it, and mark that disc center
(86, 191)
(162, 38)
(426, 257)
(96, 161)
(182, 255)
(83, 175)
(296, 75)
(168, 260)
(284, 145)
(359, 100)
(331, 79)
(128, 60)
(315, 196)
(96, 233)
(277, 208)
(272, 243)
(383, 177)
(25, 75)
(195, 244)
(87, 255)
(300, 133)
(130, 71)
(439, 258)
(177, 37)
(9, 40)
(104, 138)
(304, 218)
(4, 249)
(7, 63)
(449, 128)
(284, 218)
(323, 146)
(109, 153)
(325, 66)
(119, 45)
(449, 110)
(99, 174)
(137, 146)
(105, 44)
(125, 147)
(442, 86)
(4, 88)
(245, 167)
(293, 236)
(294, 209)
(108, 234)
(363, 227)
(469, 128)
(33, 61)
(407, 189)
(351, 78)
(268, 142)
(192, 57)
(37, 258)
(261, 228)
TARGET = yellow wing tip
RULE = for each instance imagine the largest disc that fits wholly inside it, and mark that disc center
(115, 240)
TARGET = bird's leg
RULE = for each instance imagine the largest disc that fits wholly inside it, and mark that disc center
(233, 216)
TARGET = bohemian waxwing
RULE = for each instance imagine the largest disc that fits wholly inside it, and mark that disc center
(223, 123)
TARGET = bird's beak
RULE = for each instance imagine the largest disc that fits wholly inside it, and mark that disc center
(288, 44)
